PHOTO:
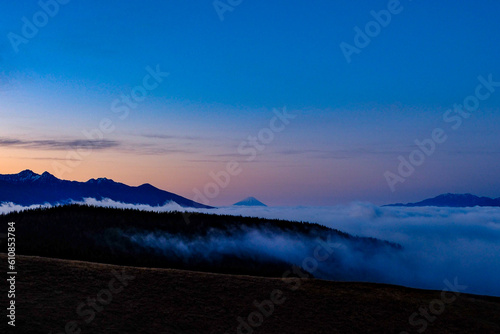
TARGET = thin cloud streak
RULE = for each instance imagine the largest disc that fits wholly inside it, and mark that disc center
(104, 144)
(161, 136)
(59, 145)
(47, 158)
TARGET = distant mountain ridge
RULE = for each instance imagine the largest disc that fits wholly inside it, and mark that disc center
(454, 200)
(250, 201)
(28, 188)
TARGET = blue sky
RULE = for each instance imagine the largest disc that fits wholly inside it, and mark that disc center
(353, 120)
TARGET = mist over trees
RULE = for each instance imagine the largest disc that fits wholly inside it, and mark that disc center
(204, 242)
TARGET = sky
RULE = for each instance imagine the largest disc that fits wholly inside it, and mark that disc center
(335, 95)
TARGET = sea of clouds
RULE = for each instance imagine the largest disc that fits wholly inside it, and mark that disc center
(438, 243)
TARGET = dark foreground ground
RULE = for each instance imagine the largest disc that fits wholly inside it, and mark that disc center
(60, 296)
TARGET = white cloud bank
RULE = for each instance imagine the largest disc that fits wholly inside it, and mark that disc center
(439, 243)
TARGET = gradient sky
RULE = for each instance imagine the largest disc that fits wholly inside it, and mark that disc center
(352, 120)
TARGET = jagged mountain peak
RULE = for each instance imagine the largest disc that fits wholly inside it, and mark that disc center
(26, 175)
(26, 172)
(100, 180)
(29, 188)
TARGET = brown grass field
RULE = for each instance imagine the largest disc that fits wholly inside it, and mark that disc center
(49, 291)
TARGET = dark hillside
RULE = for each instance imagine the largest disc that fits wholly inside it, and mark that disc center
(184, 302)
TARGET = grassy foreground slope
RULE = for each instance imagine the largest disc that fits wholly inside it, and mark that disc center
(49, 291)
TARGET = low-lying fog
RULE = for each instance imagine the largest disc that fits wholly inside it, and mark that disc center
(439, 243)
